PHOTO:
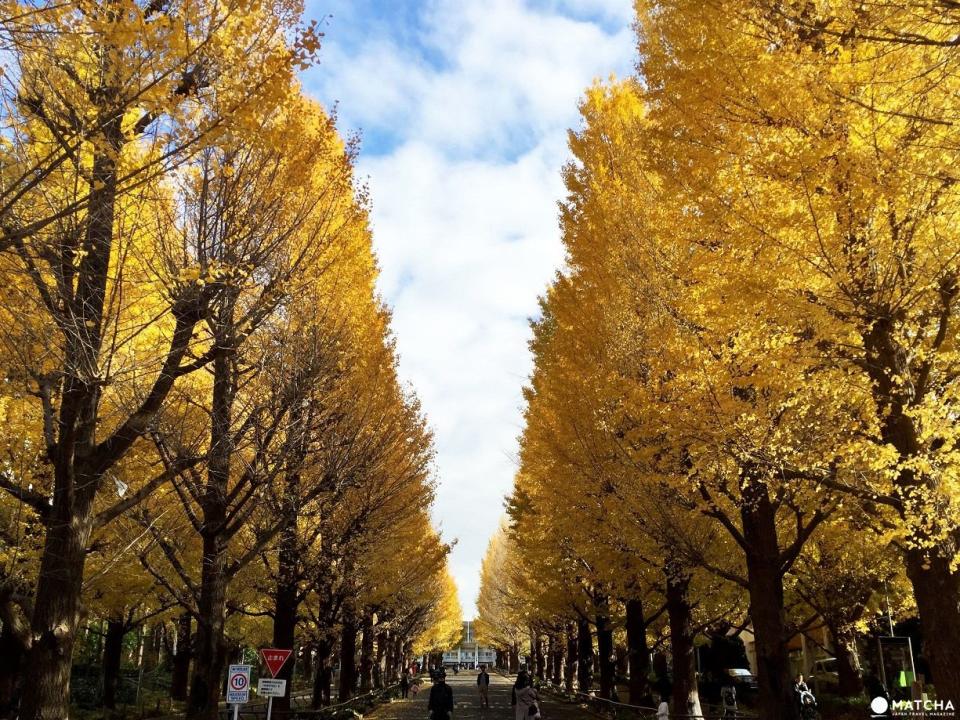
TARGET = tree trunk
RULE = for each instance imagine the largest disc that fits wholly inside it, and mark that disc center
(638, 653)
(152, 647)
(765, 579)
(548, 669)
(348, 660)
(936, 586)
(621, 664)
(210, 653)
(208, 670)
(536, 640)
(605, 650)
(323, 677)
(181, 659)
(286, 604)
(57, 604)
(399, 657)
(380, 659)
(392, 663)
(306, 662)
(77, 466)
(366, 654)
(572, 655)
(850, 679)
(557, 676)
(112, 654)
(584, 656)
(686, 698)
(937, 592)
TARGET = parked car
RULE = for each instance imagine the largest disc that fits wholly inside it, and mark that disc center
(825, 674)
(743, 680)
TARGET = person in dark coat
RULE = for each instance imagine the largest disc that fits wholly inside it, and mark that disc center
(405, 683)
(483, 685)
(441, 699)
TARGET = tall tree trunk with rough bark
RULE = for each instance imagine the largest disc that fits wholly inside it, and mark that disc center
(584, 656)
(286, 600)
(306, 662)
(380, 670)
(210, 665)
(605, 649)
(898, 389)
(536, 649)
(112, 656)
(765, 579)
(572, 658)
(936, 589)
(638, 652)
(366, 653)
(210, 653)
(548, 658)
(348, 659)
(180, 679)
(849, 677)
(391, 661)
(686, 698)
(557, 676)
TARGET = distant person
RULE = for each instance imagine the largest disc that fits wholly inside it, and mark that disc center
(405, 683)
(663, 709)
(440, 705)
(728, 699)
(522, 681)
(483, 686)
(799, 687)
(526, 707)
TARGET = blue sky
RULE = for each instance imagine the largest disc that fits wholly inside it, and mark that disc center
(464, 107)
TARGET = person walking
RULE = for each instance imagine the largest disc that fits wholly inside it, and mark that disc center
(527, 707)
(728, 698)
(523, 679)
(440, 705)
(483, 686)
(405, 683)
(799, 688)
(663, 710)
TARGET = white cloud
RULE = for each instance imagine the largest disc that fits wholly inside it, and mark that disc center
(466, 120)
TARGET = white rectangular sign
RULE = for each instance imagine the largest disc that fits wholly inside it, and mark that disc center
(271, 687)
(238, 684)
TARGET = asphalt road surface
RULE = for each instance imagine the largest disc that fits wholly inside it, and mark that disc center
(466, 701)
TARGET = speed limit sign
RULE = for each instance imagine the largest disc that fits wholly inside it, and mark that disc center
(238, 684)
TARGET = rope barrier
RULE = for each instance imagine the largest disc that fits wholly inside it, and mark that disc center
(644, 710)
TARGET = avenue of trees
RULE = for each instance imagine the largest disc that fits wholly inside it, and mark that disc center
(205, 441)
(743, 409)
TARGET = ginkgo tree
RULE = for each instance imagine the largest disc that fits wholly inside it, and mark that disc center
(99, 100)
(190, 332)
(754, 324)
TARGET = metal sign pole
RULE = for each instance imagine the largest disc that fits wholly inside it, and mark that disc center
(269, 706)
(236, 711)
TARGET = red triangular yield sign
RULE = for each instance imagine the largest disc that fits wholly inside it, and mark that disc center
(274, 658)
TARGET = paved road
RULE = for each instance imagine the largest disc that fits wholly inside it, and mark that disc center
(467, 703)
